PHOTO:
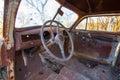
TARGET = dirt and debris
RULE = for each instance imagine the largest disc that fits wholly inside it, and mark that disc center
(73, 69)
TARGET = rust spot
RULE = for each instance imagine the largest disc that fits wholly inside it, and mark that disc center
(11, 77)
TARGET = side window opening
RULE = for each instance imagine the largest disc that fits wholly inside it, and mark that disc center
(83, 24)
(102, 23)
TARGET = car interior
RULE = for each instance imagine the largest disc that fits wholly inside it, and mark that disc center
(53, 51)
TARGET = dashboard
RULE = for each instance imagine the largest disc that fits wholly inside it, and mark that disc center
(28, 38)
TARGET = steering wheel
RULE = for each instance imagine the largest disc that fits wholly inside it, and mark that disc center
(57, 39)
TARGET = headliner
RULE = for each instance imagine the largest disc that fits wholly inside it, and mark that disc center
(95, 6)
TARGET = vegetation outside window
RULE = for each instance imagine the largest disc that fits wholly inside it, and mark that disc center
(1, 18)
(102, 23)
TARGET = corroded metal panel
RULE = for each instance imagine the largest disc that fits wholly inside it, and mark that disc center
(10, 10)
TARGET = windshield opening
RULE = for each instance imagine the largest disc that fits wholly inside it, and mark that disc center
(38, 12)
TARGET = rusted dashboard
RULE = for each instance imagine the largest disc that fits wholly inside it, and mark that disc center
(28, 38)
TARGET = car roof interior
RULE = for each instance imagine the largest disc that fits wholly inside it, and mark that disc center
(93, 6)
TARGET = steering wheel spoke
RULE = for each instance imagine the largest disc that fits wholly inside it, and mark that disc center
(50, 42)
(58, 29)
(61, 46)
(62, 50)
(63, 54)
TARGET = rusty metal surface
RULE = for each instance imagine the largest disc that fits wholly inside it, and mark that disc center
(20, 44)
(15, 64)
(35, 70)
(99, 72)
(4, 55)
(91, 46)
(27, 44)
(10, 10)
(9, 21)
(67, 74)
(98, 48)
(10, 70)
(93, 6)
(71, 75)
(72, 70)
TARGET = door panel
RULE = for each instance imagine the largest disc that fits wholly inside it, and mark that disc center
(93, 45)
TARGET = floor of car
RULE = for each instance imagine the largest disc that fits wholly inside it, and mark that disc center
(74, 69)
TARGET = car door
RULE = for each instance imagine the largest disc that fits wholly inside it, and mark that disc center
(95, 40)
